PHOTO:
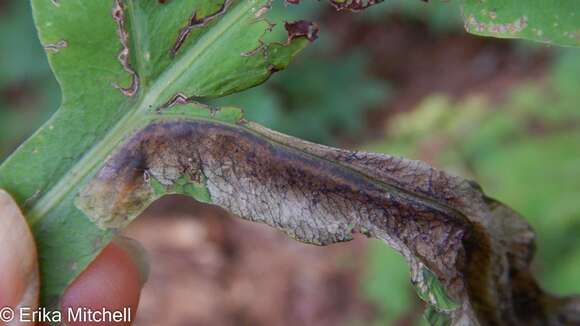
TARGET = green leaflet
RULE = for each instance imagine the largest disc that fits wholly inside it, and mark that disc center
(118, 62)
(431, 291)
(548, 21)
(439, 304)
(435, 317)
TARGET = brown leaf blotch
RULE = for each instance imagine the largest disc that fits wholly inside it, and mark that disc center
(479, 249)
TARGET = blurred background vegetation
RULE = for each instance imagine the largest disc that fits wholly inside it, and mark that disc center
(402, 78)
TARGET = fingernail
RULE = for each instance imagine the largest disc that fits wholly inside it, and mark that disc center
(138, 253)
(19, 280)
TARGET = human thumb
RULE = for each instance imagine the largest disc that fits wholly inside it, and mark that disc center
(19, 280)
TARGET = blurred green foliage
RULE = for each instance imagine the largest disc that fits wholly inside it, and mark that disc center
(387, 284)
(523, 151)
(28, 92)
(440, 16)
(314, 100)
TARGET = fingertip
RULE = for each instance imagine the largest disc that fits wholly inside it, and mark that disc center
(112, 282)
(18, 259)
(137, 252)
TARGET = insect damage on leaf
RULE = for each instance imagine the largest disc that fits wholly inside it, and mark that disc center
(295, 30)
(55, 47)
(312, 200)
(517, 26)
(351, 5)
(264, 9)
(138, 184)
(177, 108)
(449, 232)
(299, 34)
(124, 55)
(301, 28)
(197, 22)
(178, 98)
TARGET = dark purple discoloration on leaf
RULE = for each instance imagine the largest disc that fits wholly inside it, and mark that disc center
(301, 28)
(479, 249)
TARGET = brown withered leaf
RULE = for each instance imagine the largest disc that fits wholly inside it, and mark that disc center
(478, 250)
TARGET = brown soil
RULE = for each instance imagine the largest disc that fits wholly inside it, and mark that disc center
(208, 268)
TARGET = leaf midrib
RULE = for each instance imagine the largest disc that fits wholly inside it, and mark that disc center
(137, 117)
